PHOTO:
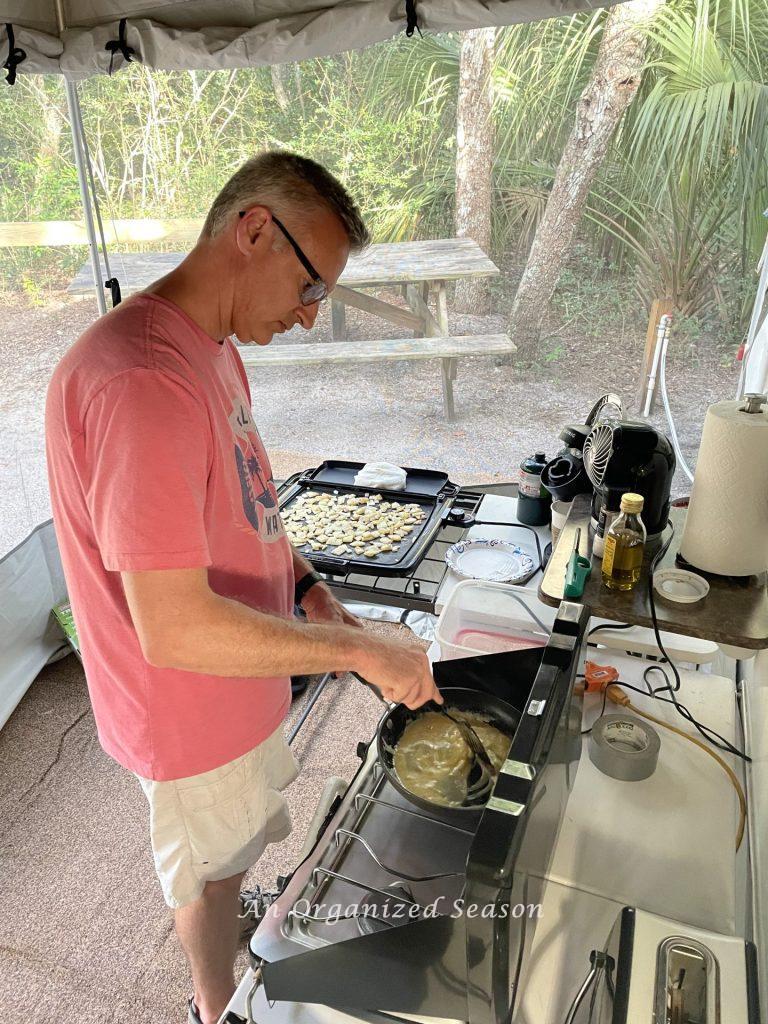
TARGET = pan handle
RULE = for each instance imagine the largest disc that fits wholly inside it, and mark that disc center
(375, 690)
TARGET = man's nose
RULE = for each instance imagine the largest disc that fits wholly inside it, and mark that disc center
(306, 315)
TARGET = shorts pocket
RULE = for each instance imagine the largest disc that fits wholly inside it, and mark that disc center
(214, 817)
(216, 834)
(279, 764)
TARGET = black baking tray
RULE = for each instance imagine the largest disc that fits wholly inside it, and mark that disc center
(430, 489)
(418, 482)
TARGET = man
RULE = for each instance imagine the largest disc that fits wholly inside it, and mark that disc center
(181, 578)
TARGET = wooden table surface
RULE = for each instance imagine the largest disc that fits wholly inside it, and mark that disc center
(734, 612)
(441, 259)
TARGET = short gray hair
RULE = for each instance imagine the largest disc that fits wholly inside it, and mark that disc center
(284, 181)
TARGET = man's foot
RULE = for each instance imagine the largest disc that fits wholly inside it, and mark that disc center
(193, 1015)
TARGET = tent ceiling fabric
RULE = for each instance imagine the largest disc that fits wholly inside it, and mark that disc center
(210, 34)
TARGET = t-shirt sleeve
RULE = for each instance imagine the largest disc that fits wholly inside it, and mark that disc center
(147, 447)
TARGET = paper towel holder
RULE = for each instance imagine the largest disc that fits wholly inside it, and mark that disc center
(753, 402)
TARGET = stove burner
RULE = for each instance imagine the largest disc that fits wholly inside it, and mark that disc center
(377, 912)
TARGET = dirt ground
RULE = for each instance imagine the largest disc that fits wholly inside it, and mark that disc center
(373, 411)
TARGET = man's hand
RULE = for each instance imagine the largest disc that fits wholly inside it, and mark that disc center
(401, 671)
(320, 605)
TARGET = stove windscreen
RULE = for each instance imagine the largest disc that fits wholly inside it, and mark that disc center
(508, 675)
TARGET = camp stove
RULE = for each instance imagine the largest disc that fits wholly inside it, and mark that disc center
(399, 911)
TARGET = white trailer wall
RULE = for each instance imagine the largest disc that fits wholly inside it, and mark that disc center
(31, 583)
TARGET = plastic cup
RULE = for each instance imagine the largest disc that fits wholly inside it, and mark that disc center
(560, 510)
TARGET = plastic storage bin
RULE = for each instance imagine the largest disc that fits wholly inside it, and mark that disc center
(486, 618)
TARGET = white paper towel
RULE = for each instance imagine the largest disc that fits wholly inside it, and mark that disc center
(726, 530)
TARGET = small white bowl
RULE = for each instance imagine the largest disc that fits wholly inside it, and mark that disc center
(680, 586)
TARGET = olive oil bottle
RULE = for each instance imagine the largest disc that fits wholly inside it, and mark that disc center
(624, 544)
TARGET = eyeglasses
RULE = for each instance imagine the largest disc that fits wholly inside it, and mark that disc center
(313, 292)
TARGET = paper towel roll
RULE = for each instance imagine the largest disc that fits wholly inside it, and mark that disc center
(726, 530)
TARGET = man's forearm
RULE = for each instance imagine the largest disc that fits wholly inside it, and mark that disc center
(234, 640)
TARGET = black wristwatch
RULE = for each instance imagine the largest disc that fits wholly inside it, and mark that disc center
(305, 584)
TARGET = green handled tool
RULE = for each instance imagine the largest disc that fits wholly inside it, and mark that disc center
(577, 572)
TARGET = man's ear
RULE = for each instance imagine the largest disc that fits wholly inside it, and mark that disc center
(253, 228)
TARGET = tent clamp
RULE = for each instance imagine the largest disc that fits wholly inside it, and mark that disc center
(114, 288)
(120, 44)
(15, 55)
(411, 18)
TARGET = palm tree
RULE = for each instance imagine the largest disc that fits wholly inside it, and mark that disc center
(703, 124)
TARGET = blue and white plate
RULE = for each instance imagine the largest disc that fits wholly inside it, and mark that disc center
(498, 561)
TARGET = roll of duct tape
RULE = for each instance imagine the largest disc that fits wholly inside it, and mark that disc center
(623, 747)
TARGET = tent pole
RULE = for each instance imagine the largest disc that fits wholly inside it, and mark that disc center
(76, 126)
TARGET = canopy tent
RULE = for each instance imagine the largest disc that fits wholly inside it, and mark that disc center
(78, 38)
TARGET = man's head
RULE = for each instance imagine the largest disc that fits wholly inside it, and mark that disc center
(283, 226)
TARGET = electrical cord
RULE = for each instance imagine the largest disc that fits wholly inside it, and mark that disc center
(607, 626)
(610, 625)
(706, 731)
(586, 732)
(652, 602)
(615, 693)
(709, 734)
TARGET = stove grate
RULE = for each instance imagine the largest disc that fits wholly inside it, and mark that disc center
(304, 911)
(417, 591)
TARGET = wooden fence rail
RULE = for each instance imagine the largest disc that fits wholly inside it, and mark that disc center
(117, 232)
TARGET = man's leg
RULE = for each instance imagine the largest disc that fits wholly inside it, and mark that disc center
(209, 930)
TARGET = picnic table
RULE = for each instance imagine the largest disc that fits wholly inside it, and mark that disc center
(421, 271)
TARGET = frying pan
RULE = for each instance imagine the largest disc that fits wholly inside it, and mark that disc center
(392, 726)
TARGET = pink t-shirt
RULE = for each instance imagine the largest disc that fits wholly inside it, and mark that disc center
(154, 462)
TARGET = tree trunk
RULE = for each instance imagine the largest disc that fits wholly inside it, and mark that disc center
(474, 156)
(278, 86)
(614, 81)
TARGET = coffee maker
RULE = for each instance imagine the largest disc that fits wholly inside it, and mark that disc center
(629, 455)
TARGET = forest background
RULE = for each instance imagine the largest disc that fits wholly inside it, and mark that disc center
(675, 208)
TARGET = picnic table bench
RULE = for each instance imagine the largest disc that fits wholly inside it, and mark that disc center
(421, 270)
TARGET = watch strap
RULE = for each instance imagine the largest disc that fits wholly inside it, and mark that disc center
(305, 584)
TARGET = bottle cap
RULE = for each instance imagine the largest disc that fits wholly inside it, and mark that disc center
(632, 503)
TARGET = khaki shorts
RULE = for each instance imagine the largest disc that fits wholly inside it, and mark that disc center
(217, 824)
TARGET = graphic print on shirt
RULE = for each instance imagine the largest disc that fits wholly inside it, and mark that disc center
(258, 490)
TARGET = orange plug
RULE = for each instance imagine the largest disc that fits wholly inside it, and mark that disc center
(599, 678)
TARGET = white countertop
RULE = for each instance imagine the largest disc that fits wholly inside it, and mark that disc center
(665, 845)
